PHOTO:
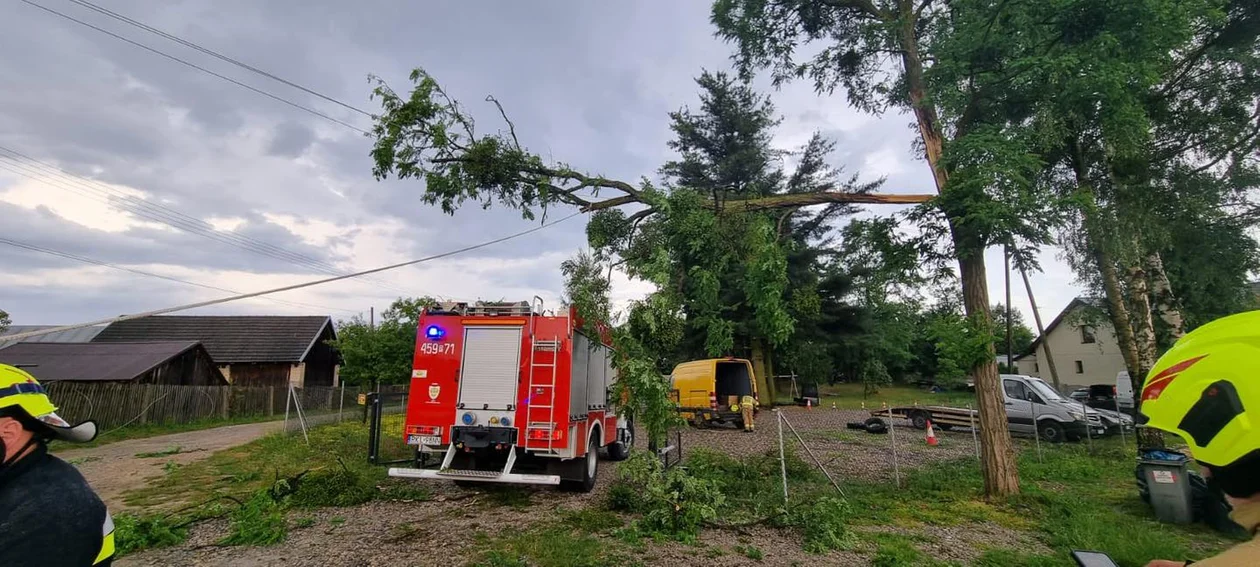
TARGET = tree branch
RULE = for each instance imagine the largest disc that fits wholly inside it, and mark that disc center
(792, 200)
(511, 127)
(866, 6)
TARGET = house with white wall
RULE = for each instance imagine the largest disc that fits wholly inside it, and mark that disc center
(1085, 349)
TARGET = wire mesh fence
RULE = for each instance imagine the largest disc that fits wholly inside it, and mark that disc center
(872, 445)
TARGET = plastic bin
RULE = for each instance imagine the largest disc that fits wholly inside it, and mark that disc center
(1167, 479)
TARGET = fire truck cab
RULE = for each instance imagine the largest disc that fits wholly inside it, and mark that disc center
(508, 394)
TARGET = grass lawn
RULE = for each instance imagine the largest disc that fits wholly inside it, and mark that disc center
(849, 396)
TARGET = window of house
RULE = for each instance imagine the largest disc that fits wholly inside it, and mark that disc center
(1080, 367)
(1087, 335)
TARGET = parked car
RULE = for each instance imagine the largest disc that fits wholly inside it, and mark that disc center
(1124, 391)
(1100, 396)
(1079, 394)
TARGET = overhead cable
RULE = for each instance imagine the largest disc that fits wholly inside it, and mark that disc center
(21, 336)
(86, 260)
(197, 67)
(215, 54)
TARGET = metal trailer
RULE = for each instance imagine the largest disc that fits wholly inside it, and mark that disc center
(943, 417)
(506, 394)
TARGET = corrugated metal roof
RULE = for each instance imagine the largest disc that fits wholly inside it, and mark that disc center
(228, 339)
(92, 362)
(84, 335)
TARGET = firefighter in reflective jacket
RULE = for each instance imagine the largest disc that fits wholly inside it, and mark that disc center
(746, 405)
(49, 516)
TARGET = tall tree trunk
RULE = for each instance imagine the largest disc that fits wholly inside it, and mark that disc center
(997, 456)
(1001, 474)
(1144, 334)
(761, 372)
(1143, 325)
(1165, 303)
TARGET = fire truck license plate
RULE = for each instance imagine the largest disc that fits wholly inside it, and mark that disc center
(423, 440)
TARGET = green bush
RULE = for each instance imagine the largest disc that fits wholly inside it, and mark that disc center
(624, 497)
(824, 524)
(134, 533)
(337, 487)
(259, 521)
(674, 502)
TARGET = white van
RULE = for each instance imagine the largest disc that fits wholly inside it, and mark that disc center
(1124, 391)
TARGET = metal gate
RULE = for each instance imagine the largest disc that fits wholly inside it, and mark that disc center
(491, 367)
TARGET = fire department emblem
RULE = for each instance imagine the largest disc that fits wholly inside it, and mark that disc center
(434, 390)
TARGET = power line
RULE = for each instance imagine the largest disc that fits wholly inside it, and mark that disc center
(67, 255)
(197, 67)
(112, 197)
(21, 336)
(212, 53)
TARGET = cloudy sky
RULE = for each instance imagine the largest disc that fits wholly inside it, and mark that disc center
(164, 169)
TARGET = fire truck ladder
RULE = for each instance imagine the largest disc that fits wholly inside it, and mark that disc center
(537, 386)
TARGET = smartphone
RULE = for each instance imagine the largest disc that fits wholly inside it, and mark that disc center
(1093, 559)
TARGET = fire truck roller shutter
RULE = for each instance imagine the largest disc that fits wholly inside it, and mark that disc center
(491, 367)
(596, 383)
(581, 363)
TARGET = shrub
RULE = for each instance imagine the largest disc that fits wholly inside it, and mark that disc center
(338, 487)
(259, 521)
(674, 502)
(824, 524)
(133, 533)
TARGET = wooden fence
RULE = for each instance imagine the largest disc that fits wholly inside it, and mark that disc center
(117, 404)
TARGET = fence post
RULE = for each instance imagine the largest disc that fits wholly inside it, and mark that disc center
(1036, 431)
(1088, 437)
(778, 418)
(227, 400)
(271, 403)
(287, 399)
(341, 403)
(1116, 399)
(975, 438)
(892, 435)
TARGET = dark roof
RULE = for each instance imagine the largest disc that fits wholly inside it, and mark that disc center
(82, 335)
(92, 362)
(228, 339)
(1076, 302)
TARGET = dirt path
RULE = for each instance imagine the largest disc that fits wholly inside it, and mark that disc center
(115, 468)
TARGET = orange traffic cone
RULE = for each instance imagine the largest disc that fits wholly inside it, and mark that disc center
(809, 404)
(931, 434)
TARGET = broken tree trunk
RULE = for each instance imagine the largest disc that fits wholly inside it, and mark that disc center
(1165, 303)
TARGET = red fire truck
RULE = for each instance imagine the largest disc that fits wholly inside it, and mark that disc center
(505, 393)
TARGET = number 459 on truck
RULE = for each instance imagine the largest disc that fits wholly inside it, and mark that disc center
(508, 394)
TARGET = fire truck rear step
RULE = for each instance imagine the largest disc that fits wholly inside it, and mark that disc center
(445, 472)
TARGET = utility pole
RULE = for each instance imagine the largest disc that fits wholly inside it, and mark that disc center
(1010, 356)
(371, 317)
(1041, 331)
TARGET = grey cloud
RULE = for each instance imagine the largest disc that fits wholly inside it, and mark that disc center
(585, 83)
(290, 139)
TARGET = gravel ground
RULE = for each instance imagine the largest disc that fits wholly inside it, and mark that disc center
(438, 532)
(845, 453)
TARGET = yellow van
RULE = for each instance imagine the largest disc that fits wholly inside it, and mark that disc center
(708, 391)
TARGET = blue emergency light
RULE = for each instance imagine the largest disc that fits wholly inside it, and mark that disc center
(434, 332)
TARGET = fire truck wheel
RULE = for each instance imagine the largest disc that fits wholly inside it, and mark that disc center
(620, 451)
(586, 469)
